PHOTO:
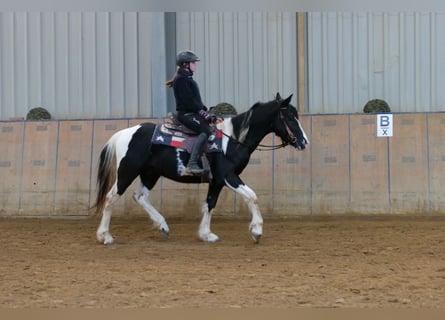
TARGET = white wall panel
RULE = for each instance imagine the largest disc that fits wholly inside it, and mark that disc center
(62, 90)
(246, 56)
(355, 57)
(153, 82)
(130, 62)
(7, 70)
(20, 63)
(102, 64)
(82, 64)
(89, 75)
(116, 63)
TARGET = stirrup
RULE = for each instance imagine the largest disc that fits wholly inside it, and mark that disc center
(195, 169)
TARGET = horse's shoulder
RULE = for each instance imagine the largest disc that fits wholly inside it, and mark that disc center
(140, 131)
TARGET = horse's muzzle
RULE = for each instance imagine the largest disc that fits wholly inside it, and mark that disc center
(300, 145)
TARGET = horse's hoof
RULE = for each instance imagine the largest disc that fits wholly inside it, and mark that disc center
(210, 237)
(108, 240)
(164, 230)
(256, 238)
(104, 238)
(256, 231)
(165, 233)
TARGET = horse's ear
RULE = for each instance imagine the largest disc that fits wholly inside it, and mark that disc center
(278, 96)
(287, 101)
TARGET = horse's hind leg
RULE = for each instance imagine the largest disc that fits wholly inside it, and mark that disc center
(141, 196)
(103, 232)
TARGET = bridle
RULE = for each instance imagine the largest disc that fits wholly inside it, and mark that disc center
(263, 147)
(292, 138)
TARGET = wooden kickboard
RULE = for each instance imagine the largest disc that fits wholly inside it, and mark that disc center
(11, 140)
(39, 168)
(330, 165)
(369, 167)
(408, 164)
(73, 167)
(292, 178)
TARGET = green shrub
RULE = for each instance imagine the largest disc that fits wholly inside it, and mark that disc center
(223, 108)
(38, 113)
(376, 106)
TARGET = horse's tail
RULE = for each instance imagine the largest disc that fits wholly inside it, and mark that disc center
(106, 174)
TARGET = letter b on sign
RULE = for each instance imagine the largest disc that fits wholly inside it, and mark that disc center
(384, 125)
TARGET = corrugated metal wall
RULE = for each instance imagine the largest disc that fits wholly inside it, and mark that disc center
(355, 57)
(113, 64)
(82, 64)
(246, 57)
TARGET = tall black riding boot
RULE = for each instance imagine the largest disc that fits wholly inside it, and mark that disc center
(197, 149)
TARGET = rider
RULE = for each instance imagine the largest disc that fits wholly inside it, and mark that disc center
(190, 109)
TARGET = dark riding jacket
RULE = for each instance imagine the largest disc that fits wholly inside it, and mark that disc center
(187, 95)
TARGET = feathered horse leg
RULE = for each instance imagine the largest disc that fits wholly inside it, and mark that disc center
(141, 196)
(251, 199)
(103, 231)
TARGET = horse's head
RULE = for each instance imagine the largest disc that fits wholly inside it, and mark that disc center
(288, 126)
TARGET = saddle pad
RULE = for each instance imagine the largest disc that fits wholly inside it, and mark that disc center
(181, 140)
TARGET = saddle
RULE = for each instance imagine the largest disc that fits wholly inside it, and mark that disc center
(172, 123)
(173, 133)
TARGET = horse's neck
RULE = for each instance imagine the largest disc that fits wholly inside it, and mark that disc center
(246, 133)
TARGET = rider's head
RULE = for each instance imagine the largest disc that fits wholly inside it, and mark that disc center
(184, 58)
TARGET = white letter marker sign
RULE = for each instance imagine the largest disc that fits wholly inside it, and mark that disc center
(384, 125)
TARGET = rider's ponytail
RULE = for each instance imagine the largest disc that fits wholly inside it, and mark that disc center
(169, 83)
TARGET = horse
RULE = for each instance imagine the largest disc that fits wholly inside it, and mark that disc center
(131, 152)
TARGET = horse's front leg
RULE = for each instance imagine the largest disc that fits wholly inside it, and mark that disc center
(250, 197)
(204, 232)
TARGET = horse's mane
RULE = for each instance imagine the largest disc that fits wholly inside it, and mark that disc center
(241, 122)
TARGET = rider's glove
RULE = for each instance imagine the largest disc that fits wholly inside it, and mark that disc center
(208, 116)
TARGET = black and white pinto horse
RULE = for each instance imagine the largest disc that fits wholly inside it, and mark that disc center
(130, 153)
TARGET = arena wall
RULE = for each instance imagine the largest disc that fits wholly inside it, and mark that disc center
(48, 169)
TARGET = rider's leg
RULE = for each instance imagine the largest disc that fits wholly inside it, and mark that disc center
(197, 150)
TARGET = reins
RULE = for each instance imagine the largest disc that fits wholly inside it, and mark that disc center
(259, 147)
(269, 147)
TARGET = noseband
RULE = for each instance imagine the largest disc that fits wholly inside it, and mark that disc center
(291, 137)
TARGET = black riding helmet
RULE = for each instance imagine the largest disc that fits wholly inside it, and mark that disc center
(185, 57)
